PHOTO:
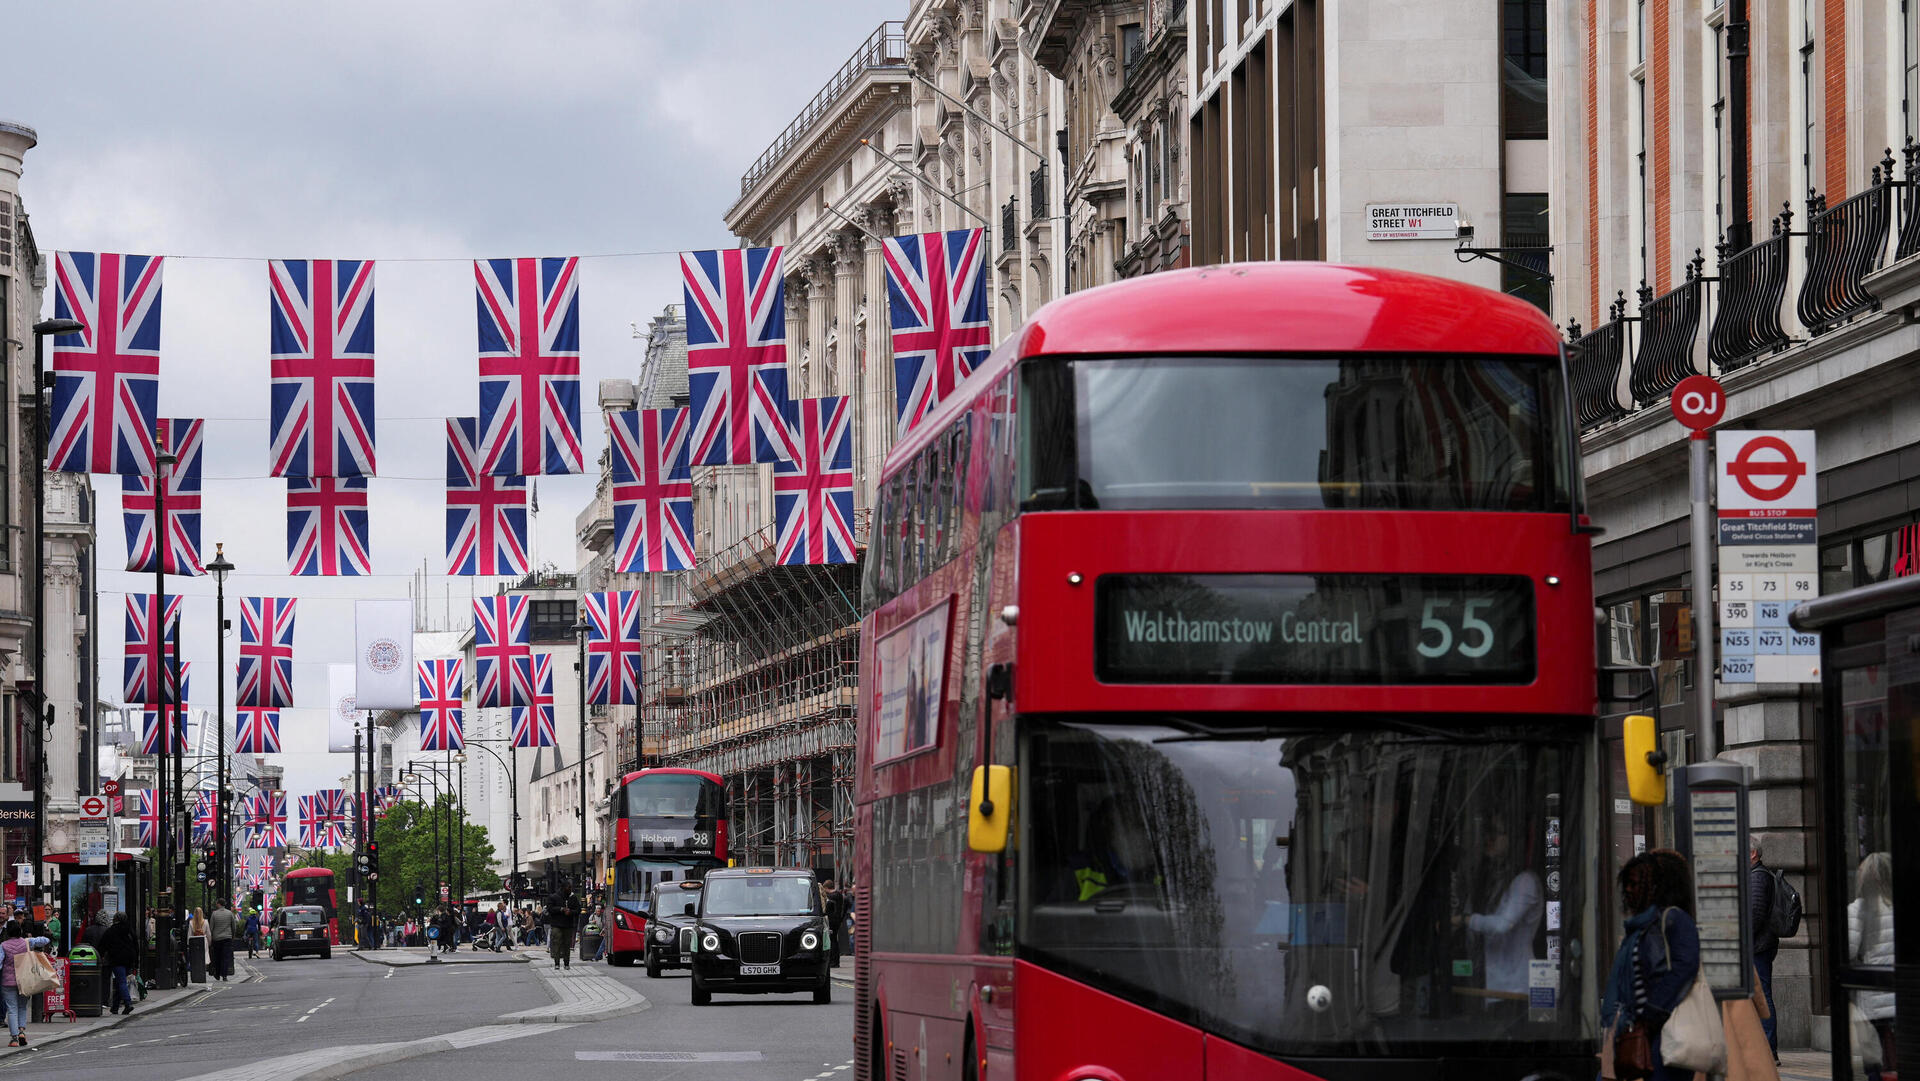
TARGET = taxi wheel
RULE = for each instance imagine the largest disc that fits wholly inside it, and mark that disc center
(278, 956)
(823, 994)
(701, 996)
(653, 965)
(326, 955)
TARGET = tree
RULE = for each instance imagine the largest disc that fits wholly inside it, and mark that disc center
(414, 842)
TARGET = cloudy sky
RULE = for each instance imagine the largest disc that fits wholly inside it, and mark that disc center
(419, 134)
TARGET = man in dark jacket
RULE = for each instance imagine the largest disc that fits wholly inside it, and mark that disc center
(562, 912)
(121, 951)
(1765, 946)
(836, 903)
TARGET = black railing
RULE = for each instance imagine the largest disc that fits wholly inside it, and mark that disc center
(1009, 223)
(1752, 285)
(884, 48)
(1669, 326)
(1844, 244)
(1037, 192)
(1593, 359)
(1909, 205)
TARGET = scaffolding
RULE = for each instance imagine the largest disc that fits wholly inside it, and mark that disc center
(755, 680)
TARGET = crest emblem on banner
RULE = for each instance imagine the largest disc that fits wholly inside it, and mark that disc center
(383, 655)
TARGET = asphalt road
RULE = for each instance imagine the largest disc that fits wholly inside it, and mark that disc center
(295, 1005)
(738, 1038)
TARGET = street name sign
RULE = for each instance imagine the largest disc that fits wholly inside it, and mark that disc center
(1769, 554)
(1413, 221)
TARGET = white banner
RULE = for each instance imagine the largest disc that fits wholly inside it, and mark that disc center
(342, 711)
(383, 655)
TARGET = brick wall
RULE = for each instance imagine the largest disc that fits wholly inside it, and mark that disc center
(1660, 118)
(1833, 86)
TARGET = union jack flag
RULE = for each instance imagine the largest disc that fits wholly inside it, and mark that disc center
(499, 639)
(652, 491)
(266, 652)
(151, 733)
(322, 347)
(259, 730)
(336, 806)
(440, 707)
(149, 818)
(327, 526)
(206, 820)
(106, 377)
(529, 365)
(486, 515)
(186, 439)
(813, 497)
(737, 356)
(937, 300)
(533, 724)
(314, 824)
(613, 648)
(270, 819)
(385, 798)
(144, 655)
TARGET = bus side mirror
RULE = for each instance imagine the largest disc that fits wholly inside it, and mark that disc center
(991, 809)
(1645, 762)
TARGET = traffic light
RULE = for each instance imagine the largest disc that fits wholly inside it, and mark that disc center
(200, 869)
(419, 894)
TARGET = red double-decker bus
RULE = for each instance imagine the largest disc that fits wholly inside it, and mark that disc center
(1228, 702)
(668, 824)
(313, 886)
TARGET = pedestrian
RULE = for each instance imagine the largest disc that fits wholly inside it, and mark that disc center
(1659, 956)
(1870, 942)
(252, 931)
(13, 943)
(220, 928)
(562, 910)
(96, 930)
(53, 932)
(1766, 945)
(121, 951)
(836, 900)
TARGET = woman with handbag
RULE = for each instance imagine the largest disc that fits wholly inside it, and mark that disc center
(14, 945)
(1654, 973)
(1870, 942)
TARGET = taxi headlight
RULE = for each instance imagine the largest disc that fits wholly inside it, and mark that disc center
(809, 941)
(710, 943)
(663, 935)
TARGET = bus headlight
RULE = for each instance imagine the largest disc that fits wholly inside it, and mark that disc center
(710, 943)
(809, 941)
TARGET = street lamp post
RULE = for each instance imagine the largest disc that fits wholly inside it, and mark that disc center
(41, 331)
(222, 841)
(461, 759)
(172, 729)
(580, 629)
(512, 765)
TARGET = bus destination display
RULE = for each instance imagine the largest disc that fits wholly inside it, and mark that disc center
(1314, 628)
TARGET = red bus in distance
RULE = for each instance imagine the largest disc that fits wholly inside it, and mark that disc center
(1228, 695)
(668, 824)
(313, 886)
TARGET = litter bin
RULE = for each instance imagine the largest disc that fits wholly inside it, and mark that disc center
(197, 959)
(589, 944)
(86, 982)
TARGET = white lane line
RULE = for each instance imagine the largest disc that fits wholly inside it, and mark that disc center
(390, 972)
(311, 1012)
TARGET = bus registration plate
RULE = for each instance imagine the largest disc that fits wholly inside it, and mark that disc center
(759, 970)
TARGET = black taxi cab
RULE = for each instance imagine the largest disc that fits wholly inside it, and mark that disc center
(761, 930)
(300, 929)
(676, 909)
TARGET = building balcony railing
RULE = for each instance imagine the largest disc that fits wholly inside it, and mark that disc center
(1909, 206)
(1753, 282)
(1669, 325)
(886, 47)
(1037, 192)
(1593, 364)
(1844, 244)
(1009, 223)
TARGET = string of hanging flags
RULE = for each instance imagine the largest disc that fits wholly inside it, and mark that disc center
(321, 374)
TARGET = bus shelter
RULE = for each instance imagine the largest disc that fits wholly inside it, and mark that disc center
(93, 891)
(1870, 785)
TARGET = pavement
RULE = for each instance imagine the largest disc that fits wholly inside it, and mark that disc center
(58, 1030)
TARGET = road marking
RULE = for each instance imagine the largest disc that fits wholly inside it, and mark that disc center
(311, 1012)
(669, 1056)
(390, 972)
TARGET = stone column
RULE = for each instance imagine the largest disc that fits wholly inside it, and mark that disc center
(797, 289)
(848, 260)
(873, 424)
(819, 316)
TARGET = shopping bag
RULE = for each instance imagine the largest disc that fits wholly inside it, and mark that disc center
(33, 972)
(1693, 1038)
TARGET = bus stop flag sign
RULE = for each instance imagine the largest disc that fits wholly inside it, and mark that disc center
(1768, 489)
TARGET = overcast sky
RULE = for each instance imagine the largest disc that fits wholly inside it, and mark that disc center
(419, 134)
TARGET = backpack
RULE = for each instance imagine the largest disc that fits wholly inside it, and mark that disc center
(1784, 907)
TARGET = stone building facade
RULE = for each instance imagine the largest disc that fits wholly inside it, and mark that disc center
(1739, 213)
(66, 564)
